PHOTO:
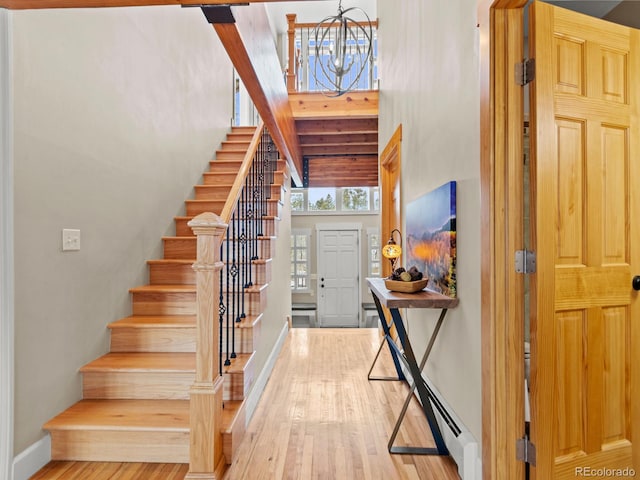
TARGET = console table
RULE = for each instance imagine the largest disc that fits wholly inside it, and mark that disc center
(393, 301)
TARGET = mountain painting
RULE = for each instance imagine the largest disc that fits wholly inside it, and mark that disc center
(431, 238)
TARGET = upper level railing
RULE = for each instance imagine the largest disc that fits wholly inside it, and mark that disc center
(302, 58)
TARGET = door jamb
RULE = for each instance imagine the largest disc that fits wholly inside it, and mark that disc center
(391, 213)
(501, 25)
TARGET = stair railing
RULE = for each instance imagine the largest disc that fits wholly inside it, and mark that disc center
(227, 247)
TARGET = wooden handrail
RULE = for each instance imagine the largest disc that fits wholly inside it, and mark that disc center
(243, 171)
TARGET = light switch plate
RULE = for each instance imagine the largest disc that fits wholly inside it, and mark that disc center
(70, 240)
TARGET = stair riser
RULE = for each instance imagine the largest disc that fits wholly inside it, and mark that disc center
(220, 177)
(254, 302)
(221, 192)
(137, 385)
(237, 384)
(229, 155)
(246, 339)
(170, 274)
(231, 440)
(158, 339)
(218, 166)
(180, 248)
(120, 446)
(236, 145)
(195, 207)
(163, 303)
(121, 385)
(269, 226)
(240, 137)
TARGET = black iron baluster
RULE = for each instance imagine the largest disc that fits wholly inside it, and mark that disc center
(232, 286)
(243, 245)
(227, 361)
(221, 312)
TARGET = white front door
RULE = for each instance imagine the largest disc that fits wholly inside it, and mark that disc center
(338, 278)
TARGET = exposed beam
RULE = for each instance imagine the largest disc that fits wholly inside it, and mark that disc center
(344, 139)
(356, 104)
(39, 4)
(249, 44)
(354, 171)
(340, 150)
(337, 127)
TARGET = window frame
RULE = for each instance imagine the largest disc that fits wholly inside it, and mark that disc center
(300, 232)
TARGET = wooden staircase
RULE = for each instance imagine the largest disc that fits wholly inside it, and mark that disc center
(135, 405)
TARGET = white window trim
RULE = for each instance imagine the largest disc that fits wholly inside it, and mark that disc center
(338, 200)
(373, 231)
(306, 232)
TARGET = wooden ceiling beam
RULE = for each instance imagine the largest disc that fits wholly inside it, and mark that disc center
(356, 104)
(344, 139)
(340, 150)
(39, 4)
(354, 171)
(337, 127)
(249, 44)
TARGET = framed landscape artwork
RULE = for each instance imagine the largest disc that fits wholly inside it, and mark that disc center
(431, 238)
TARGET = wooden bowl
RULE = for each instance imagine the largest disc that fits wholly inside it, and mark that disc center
(405, 287)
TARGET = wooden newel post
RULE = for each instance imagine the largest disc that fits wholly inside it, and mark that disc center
(205, 450)
(292, 70)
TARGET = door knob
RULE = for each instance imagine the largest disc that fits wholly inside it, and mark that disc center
(635, 283)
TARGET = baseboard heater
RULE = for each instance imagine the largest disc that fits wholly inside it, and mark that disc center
(462, 445)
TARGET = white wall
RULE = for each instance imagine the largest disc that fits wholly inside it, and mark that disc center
(278, 292)
(117, 113)
(429, 80)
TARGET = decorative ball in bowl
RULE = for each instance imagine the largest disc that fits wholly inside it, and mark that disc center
(406, 281)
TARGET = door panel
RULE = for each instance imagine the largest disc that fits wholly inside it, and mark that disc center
(585, 316)
(338, 267)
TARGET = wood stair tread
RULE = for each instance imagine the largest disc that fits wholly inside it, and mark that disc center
(164, 289)
(143, 362)
(238, 364)
(152, 321)
(173, 261)
(124, 415)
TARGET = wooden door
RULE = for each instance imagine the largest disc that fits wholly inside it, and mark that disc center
(586, 208)
(338, 282)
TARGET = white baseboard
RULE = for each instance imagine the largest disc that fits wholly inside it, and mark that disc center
(32, 459)
(261, 382)
(462, 448)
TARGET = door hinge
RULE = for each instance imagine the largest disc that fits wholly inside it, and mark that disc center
(525, 261)
(526, 451)
(525, 71)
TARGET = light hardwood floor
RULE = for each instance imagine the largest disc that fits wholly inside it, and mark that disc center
(319, 418)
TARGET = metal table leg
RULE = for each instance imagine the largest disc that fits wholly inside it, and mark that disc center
(423, 392)
(392, 346)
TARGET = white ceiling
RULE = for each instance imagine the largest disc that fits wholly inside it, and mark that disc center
(313, 11)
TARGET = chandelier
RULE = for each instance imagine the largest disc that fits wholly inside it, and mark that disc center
(342, 51)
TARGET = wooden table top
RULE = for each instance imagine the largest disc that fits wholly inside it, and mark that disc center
(423, 299)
